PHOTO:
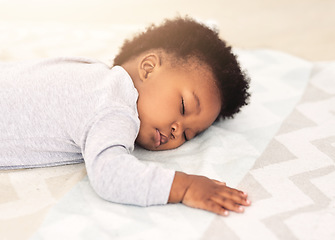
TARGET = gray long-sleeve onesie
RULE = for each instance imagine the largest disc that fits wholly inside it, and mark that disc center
(69, 110)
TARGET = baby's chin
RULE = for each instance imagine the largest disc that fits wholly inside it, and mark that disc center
(144, 146)
(150, 148)
(153, 148)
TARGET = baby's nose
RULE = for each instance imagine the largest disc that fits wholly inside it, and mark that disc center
(176, 129)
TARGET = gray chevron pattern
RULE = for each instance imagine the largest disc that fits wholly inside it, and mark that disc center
(295, 175)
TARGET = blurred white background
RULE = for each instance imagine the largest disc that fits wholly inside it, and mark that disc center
(305, 28)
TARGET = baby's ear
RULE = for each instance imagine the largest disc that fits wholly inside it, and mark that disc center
(148, 64)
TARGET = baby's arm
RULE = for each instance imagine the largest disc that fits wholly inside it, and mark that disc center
(114, 173)
(120, 177)
(204, 193)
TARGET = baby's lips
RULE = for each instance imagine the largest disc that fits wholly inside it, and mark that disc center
(157, 138)
(164, 139)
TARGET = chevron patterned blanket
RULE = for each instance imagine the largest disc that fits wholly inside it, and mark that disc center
(280, 149)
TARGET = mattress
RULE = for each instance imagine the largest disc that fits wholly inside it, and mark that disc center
(280, 150)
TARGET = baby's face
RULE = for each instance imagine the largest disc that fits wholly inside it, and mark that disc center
(175, 105)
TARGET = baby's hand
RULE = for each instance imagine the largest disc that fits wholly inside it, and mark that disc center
(204, 193)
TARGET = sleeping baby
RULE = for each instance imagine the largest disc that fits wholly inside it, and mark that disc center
(167, 85)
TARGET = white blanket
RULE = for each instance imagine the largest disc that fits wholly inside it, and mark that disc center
(280, 149)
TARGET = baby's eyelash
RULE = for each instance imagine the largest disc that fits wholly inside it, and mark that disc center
(183, 106)
(183, 113)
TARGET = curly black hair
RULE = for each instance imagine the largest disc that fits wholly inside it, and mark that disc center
(185, 38)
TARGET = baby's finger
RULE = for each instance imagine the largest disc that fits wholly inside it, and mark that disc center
(218, 182)
(214, 207)
(235, 195)
(228, 204)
